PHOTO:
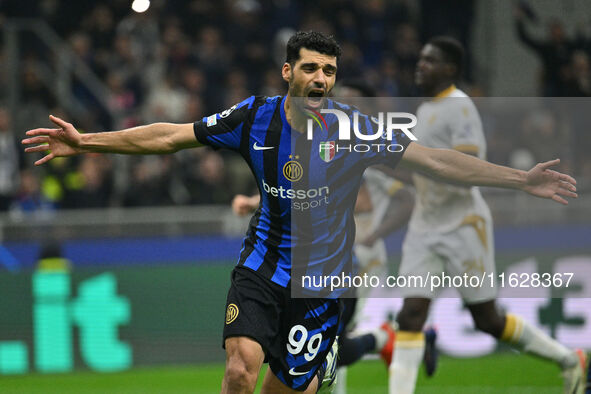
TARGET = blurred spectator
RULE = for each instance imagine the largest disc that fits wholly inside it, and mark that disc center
(30, 199)
(10, 161)
(554, 52)
(100, 27)
(578, 81)
(82, 46)
(91, 185)
(143, 32)
(204, 174)
(273, 84)
(176, 46)
(374, 22)
(150, 182)
(58, 178)
(194, 110)
(347, 26)
(542, 134)
(122, 100)
(34, 89)
(249, 36)
(235, 87)
(166, 103)
(213, 54)
(407, 48)
(388, 80)
(185, 59)
(351, 62)
(283, 14)
(194, 81)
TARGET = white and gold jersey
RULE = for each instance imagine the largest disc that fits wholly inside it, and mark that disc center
(380, 188)
(451, 121)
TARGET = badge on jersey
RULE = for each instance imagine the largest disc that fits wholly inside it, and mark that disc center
(231, 313)
(292, 170)
(327, 150)
(212, 120)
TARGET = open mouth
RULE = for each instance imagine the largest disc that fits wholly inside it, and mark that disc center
(315, 97)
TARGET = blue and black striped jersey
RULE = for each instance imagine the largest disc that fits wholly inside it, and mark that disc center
(308, 187)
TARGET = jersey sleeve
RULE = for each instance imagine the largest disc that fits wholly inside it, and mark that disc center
(224, 129)
(386, 150)
(465, 129)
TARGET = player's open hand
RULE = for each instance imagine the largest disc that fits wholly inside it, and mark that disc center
(63, 141)
(543, 182)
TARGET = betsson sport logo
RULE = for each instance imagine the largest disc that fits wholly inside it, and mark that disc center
(386, 123)
(301, 199)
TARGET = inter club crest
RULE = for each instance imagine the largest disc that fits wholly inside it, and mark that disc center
(292, 170)
(327, 150)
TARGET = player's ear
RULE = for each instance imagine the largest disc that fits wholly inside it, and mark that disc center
(286, 72)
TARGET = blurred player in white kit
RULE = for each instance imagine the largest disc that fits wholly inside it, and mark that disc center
(450, 231)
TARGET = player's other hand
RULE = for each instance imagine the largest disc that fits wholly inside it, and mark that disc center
(543, 182)
(63, 141)
(243, 205)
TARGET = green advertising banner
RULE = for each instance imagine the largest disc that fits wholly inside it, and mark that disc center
(109, 320)
(58, 319)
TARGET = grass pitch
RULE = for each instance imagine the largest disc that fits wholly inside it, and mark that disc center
(498, 373)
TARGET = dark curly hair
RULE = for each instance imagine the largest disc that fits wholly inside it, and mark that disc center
(311, 40)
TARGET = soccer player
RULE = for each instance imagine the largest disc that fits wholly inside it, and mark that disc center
(263, 322)
(383, 205)
(451, 230)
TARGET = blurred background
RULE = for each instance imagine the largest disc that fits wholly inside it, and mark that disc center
(153, 236)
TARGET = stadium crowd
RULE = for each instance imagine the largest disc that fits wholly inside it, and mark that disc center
(185, 59)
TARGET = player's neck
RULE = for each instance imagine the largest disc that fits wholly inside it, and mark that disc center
(295, 118)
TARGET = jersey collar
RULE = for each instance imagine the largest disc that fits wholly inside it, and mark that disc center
(282, 110)
(446, 92)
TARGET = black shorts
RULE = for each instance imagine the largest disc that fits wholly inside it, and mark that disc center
(296, 334)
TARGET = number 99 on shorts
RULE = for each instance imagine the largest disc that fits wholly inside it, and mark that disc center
(297, 339)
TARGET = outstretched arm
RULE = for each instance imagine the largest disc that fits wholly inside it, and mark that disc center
(67, 141)
(455, 167)
(522, 33)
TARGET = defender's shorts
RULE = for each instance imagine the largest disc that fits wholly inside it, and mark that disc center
(468, 249)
